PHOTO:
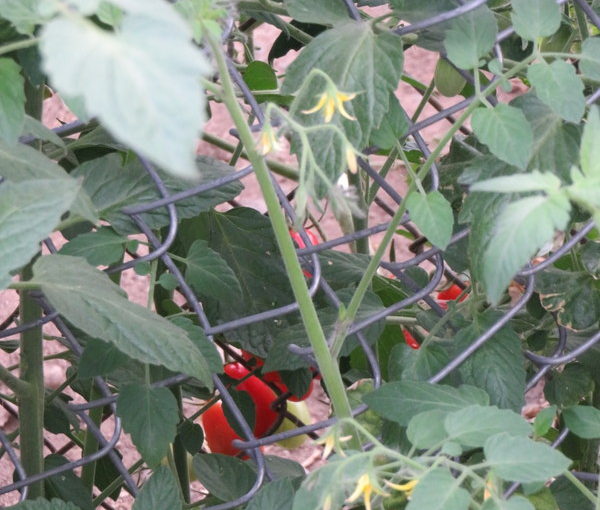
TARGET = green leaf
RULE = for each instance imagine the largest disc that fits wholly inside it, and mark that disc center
(535, 18)
(584, 421)
(201, 341)
(277, 495)
(506, 131)
(23, 14)
(497, 366)
(543, 421)
(514, 503)
(35, 128)
(20, 163)
(522, 228)
(12, 100)
(102, 247)
(470, 37)
(473, 425)
(555, 142)
(142, 81)
(209, 275)
(567, 387)
(150, 416)
(518, 459)
(590, 149)
(574, 296)
(426, 429)
(558, 86)
(159, 492)
(569, 497)
(409, 364)
(533, 181)
(439, 490)
(432, 214)
(100, 309)
(448, 80)
(399, 401)
(260, 76)
(112, 186)
(590, 58)
(590, 257)
(100, 358)
(344, 53)
(322, 12)
(67, 485)
(216, 472)
(392, 127)
(29, 211)
(44, 504)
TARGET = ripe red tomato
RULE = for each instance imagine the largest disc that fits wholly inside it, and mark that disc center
(450, 294)
(410, 340)
(217, 431)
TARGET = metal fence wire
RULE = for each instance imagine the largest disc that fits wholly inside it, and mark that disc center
(309, 258)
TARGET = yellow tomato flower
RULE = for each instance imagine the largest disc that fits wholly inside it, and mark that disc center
(365, 487)
(330, 101)
(407, 487)
(351, 158)
(267, 141)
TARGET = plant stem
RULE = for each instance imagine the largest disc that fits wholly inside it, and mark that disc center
(360, 222)
(18, 45)
(582, 488)
(327, 364)
(90, 443)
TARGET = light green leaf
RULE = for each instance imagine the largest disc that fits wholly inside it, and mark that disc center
(514, 503)
(439, 490)
(432, 213)
(23, 14)
(399, 401)
(35, 128)
(590, 148)
(12, 100)
(426, 429)
(506, 131)
(150, 416)
(519, 459)
(100, 309)
(317, 11)
(535, 18)
(29, 211)
(142, 81)
(523, 228)
(216, 472)
(345, 53)
(470, 37)
(543, 421)
(473, 425)
(584, 421)
(533, 181)
(277, 495)
(209, 274)
(159, 492)
(558, 85)
(590, 59)
(44, 504)
(101, 247)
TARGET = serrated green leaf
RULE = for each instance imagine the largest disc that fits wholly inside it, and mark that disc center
(535, 18)
(558, 86)
(12, 100)
(533, 181)
(317, 11)
(584, 421)
(392, 127)
(522, 228)
(113, 185)
(44, 504)
(142, 81)
(590, 148)
(432, 213)
(277, 495)
(590, 58)
(150, 416)
(100, 309)
(405, 363)
(101, 247)
(399, 401)
(344, 53)
(216, 472)
(567, 387)
(543, 421)
(506, 131)
(518, 459)
(29, 211)
(209, 274)
(426, 429)
(470, 37)
(473, 425)
(159, 492)
(439, 490)
(20, 162)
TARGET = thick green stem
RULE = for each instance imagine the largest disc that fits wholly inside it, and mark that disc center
(327, 364)
(90, 443)
(31, 402)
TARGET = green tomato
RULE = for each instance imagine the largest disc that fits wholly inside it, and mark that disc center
(300, 411)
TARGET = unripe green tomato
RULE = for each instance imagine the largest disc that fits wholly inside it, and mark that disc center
(447, 79)
(300, 411)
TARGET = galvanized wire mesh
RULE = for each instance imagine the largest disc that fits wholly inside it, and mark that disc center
(309, 258)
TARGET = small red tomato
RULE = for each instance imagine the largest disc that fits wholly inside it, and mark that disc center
(261, 395)
(410, 340)
(450, 294)
(217, 431)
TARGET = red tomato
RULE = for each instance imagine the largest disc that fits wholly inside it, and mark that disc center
(410, 340)
(301, 244)
(450, 294)
(217, 431)
(261, 395)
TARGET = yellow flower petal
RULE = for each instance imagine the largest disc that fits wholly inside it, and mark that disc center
(344, 112)
(346, 96)
(351, 159)
(318, 106)
(329, 110)
(402, 487)
(363, 483)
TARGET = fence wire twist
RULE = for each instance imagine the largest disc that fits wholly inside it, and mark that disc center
(309, 258)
